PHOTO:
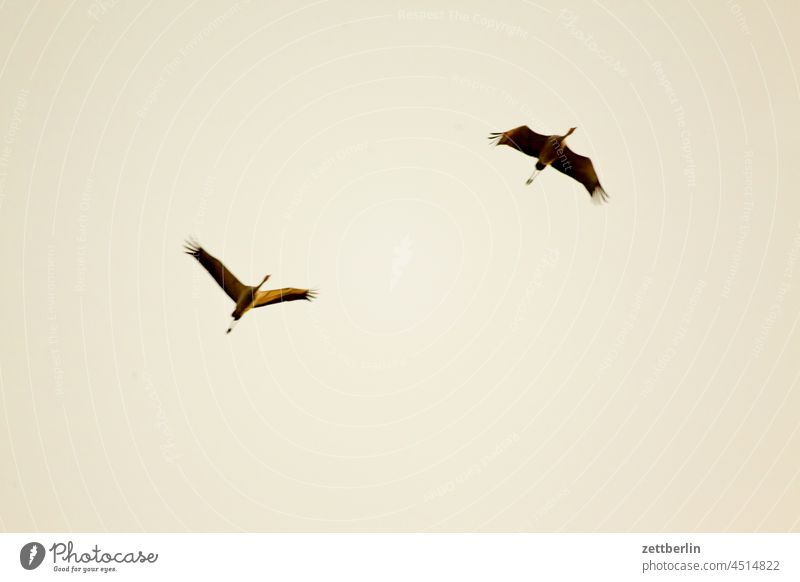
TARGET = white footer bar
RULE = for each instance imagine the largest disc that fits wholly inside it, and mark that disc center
(407, 557)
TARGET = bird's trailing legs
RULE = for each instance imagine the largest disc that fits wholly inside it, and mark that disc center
(530, 180)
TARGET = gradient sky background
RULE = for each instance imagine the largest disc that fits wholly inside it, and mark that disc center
(483, 355)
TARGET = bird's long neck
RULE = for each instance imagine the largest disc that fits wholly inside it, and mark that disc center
(254, 290)
(558, 141)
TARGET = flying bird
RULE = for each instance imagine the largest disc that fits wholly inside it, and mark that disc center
(245, 297)
(552, 151)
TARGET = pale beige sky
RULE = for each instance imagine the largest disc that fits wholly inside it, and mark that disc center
(483, 355)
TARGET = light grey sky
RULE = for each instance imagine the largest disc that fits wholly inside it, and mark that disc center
(483, 355)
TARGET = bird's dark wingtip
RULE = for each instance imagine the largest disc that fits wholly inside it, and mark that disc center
(191, 246)
(311, 294)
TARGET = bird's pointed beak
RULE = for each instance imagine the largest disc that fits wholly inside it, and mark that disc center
(231, 326)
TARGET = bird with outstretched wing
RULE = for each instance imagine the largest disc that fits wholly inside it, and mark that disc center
(245, 296)
(550, 150)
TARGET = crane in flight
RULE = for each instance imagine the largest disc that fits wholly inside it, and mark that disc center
(245, 296)
(550, 150)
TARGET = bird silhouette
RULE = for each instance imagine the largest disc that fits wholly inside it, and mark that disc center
(550, 150)
(245, 296)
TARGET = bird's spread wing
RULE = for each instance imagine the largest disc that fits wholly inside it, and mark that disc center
(521, 138)
(285, 294)
(214, 266)
(581, 169)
